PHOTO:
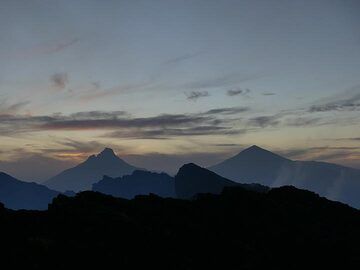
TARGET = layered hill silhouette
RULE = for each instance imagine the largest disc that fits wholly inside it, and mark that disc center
(188, 182)
(250, 167)
(16, 194)
(138, 183)
(257, 165)
(193, 179)
(284, 228)
(84, 175)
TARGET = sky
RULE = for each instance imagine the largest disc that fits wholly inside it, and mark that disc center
(169, 82)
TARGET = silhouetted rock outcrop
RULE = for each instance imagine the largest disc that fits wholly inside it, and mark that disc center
(16, 194)
(257, 165)
(89, 172)
(192, 179)
(138, 183)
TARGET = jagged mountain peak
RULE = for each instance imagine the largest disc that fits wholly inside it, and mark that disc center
(82, 176)
(107, 152)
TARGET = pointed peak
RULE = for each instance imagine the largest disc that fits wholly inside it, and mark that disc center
(255, 148)
(107, 152)
(255, 151)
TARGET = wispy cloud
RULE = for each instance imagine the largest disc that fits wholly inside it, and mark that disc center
(347, 139)
(195, 95)
(351, 103)
(122, 124)
(6, 109)
(264, 121)
(46, 48)
(164, 133)
(268, 94)
(238, 92)
(54, 48)
(228, 111)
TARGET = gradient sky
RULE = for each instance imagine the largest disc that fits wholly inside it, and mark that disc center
(168, 82)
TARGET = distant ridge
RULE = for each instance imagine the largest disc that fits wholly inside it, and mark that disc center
(193, 179)
(16, 194)
(87, 173)
(137, 183)
(258, 165)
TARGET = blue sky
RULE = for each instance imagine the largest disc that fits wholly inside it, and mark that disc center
(281, 74)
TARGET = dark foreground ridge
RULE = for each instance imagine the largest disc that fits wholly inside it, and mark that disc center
(284, 228)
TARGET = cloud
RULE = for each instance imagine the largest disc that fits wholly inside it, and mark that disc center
(165, 133)
(76, 147)
(229, 145)
(6, 109)
(54, 48)
(122, 124)
(351, 103)
(264, 121)
(195, 95)
(346, 139)
(302, 121)
(70, 149)
(228, 111)
(98, 115)
(292, 118)
(59, 80)
(44, 49)
(237, 92)
(113, 121)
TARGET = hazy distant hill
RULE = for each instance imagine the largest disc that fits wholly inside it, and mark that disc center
(87, 173)
(257, 165)
(192, 179)
(16, 194)
(138, 183)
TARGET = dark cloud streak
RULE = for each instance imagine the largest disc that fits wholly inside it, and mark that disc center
(195, 95)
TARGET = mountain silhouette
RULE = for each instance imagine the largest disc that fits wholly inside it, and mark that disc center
(87, 173)
(16, 194)
(193, 179)
(257, 165)
(138, 183)
(284, 228)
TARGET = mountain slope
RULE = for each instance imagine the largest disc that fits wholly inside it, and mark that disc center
(192, 179)
(16, 194)
(89, 172)
(138, 183)
(261, 166)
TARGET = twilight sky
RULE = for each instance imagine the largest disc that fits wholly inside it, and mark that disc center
(167, 82)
